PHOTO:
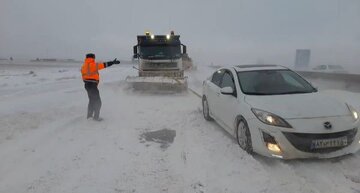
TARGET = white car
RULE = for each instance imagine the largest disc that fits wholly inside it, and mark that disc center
(273, 111)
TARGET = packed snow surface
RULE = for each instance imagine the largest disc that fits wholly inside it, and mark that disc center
(147, 143)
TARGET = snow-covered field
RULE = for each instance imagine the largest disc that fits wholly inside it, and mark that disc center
(48, 146)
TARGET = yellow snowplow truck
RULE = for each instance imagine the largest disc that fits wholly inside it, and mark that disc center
(160, 63)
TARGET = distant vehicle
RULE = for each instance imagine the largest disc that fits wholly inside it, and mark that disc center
(273, 111)
(330, 69)
(162, 60)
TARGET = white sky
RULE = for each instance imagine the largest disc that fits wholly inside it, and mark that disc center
(227, 31)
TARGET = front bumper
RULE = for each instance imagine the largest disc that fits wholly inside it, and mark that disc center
(291, 150)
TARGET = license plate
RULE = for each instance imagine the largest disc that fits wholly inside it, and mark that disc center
(327, 143)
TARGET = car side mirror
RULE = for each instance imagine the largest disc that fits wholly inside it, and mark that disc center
(135, 49)
(227, 91)
(184, 49)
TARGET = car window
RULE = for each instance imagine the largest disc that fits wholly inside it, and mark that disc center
(216, 78)
(227, 81)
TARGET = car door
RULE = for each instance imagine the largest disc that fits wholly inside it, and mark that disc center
(213, 90)
(228, 107)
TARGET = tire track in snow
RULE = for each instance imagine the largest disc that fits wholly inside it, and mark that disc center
(284, 177)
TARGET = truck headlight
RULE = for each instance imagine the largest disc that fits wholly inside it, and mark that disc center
(270, 119)
(353, 112)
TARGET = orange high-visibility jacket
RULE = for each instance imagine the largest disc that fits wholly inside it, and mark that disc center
(90, 70)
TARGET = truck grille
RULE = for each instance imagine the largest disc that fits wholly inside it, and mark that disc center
(303, 141)
(160, 65)
(166, 73)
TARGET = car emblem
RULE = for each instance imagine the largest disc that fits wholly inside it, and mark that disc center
(327, 125)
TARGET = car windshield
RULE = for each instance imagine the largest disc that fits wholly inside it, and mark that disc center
(160, 52)
(273, 82)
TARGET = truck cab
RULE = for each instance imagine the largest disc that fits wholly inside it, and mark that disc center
(160, 55)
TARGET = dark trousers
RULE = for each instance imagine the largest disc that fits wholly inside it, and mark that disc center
(94, 99)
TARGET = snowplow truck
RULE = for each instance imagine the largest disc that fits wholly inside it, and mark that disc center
(160, 63)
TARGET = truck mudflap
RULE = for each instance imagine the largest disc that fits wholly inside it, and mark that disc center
(158, 83)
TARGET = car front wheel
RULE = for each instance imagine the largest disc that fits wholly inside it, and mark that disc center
(243, 136)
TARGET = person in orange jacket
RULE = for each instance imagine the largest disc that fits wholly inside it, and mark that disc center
(90, 75)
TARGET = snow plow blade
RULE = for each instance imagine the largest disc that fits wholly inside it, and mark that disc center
(158, 84)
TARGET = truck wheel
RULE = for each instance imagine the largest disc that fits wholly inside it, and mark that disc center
(206, 110)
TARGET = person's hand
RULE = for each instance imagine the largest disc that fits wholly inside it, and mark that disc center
(115, 61)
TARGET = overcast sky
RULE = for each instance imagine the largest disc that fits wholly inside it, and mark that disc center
(225, 31)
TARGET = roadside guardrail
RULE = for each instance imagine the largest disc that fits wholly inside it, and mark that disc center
(350, 81)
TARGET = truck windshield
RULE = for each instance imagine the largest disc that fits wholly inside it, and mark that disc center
(160, 52)
(273, 82)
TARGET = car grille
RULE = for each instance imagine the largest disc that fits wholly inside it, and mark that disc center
(303, 141)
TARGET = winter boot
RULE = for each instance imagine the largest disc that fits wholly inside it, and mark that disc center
(98, 119)
(89, 114)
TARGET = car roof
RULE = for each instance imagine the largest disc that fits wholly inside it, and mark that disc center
(255, 67)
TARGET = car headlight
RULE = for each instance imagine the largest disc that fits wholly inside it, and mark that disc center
(353, 112)
(270, 119)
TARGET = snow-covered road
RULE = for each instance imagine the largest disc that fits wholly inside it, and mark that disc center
(47, 145)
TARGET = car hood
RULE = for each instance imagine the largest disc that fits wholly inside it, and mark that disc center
(293, 106)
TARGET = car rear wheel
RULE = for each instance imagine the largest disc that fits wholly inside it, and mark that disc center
(243, 136)
(206, 111)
